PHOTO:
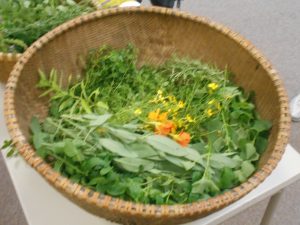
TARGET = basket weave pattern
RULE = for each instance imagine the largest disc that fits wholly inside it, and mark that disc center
(158, 33)
(7, 61)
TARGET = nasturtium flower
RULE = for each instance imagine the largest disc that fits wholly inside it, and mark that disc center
(165, 128)
(213, 86)
(183, 138)
(154, 115)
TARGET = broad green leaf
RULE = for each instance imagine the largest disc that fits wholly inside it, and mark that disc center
(142, 150)
(194, 156)
(166, 145)
(185, 164)
(135, 165)
(96, 120)
(220, 160)
(200, 147)
(218, 144)
(116, 147)
(124, 135)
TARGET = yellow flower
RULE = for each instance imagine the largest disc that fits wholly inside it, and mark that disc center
(190, 119)
(172, 98)
(180, 104)
(138, 112)
(213, 86)
(211, 102)
(209, 112)
(159, 92)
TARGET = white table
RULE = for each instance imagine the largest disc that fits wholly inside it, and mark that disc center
(43, 205)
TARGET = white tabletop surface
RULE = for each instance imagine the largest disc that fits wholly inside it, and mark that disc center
(43, 205)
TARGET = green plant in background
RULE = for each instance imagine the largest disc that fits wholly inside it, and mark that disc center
(22, 21)
(170, 134)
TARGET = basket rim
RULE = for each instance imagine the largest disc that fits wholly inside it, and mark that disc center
(101, 201)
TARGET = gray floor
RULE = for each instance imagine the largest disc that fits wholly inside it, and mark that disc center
(274, 27)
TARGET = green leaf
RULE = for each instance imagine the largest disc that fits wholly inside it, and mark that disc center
(6, 144)
(105, 170)
(134, 190)
(185, 164)
(135, 165)
(142, 150)
(193, 155)
(117, 189)
(35, 126)
(247, 168)
(220, 160)
(57, 165)
(124, 135)
(261, 144)
(200, 147)
(218, 144)
(261, 125)
(38, 139)
(116, 147)
(204, 186)
(69, 148)
(93, 162)
(248, 151)
(96, 120)
(227, 179)
(85, 106)
(166, 145)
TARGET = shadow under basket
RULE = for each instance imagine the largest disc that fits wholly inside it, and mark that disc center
(7, 62)
(157, 33)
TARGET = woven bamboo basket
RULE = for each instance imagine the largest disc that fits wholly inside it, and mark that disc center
(157, 33)
(7, 61)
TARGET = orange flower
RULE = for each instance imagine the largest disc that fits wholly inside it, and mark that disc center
(165, 128)
(183, 138)
(163, 117)
(157, 116)
(154, 115)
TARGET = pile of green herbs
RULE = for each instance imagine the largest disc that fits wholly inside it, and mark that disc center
(23, 21)
(95, 136)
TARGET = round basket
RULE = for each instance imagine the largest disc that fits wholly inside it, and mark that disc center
(157, 33)
(7, 62)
